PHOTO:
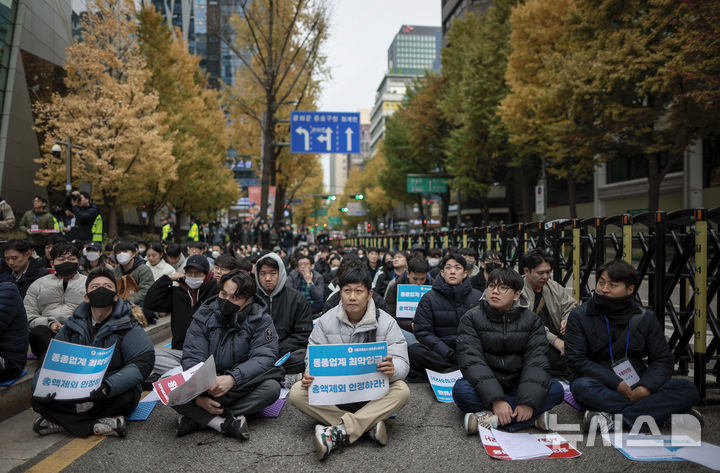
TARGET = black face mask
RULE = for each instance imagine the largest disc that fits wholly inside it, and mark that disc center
(227, 308)
(618, 310)
(492, 266)
(101, 297)
(389, 266)
(66, 269)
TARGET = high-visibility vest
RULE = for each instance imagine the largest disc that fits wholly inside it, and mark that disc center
(194, 233)
(166, 229)
(56, 224)
(97, 229)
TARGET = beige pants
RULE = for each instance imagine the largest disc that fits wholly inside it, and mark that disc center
(357, 423)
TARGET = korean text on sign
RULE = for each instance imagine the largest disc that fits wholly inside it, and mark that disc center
(72, 371)
(346, 373)
(408, 297)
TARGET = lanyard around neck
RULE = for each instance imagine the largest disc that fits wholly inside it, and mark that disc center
(627, 342)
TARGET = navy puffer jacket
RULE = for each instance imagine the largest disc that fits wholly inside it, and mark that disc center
(438, 314)
(13, 328)
(244, 345)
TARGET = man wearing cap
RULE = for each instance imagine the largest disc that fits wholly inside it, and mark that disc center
(180, 295)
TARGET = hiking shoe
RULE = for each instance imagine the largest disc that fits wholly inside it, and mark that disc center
(236, 427)
(543, 421)
(474, 420)
(603, 419)
(329, 438)
(186, 426)
(42, 426)
(378, 433)
(110, 426)
(291, 379)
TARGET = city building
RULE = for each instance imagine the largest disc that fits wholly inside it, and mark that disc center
(32, 50)
(414, 51)
(453, 9)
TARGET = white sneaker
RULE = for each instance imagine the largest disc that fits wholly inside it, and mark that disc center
(110, 426)
(473, 420)
(378, 433)
(543, 422)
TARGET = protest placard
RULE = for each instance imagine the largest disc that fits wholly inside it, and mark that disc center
(442, 384)
(346, 373)
(408, 297)
(559, 447)
(182, 387)
(72, 371)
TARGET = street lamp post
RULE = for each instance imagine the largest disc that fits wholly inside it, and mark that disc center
(56, 150)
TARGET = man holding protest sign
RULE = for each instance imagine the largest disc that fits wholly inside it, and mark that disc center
(237, 330)
(356, 320)
(102, 321)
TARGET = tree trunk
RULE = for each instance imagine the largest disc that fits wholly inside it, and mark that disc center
(176, 227)
(422, 210)
(654, 180)
(151, 220)
(572, 198)
(112, 221)
(486, 211)
(267, 158)
(279, 212)
(525, 197)
(445, 209)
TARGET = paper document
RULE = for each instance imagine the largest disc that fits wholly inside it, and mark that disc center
(707, 455)
(442, 384)
(643, 447)
(554, 442)
(520, 446)
(182, 387)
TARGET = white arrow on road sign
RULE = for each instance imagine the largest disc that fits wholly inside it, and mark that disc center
(349, 133)
(302, 131)
(326, 138)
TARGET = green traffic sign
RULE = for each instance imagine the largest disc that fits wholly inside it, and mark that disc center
(320, 213)
(426, 185)
(335, 221)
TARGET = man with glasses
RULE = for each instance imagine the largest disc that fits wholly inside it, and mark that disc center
(181, 295)
(290, 312)
(607, 341)
(309, 282)
(502, 352)
(52, 299)
(552, 303)
(437, 317)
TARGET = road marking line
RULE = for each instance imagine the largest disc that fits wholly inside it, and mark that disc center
(63, 457)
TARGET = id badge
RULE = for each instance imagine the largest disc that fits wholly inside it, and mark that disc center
(625, 370)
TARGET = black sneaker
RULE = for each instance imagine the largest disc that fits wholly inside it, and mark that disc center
(42, 426)
(236, 427)
(186, 426)
(603, 419)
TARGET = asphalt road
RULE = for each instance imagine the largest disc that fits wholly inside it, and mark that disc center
(425, 436)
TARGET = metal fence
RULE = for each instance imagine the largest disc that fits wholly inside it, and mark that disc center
(676, 253)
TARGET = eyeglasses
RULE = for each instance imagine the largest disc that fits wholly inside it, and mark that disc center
(501, 288)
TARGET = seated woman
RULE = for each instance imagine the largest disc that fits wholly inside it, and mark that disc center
(236, 328)
(101, 321)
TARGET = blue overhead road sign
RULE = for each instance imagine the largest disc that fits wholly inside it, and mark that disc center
(324, 132)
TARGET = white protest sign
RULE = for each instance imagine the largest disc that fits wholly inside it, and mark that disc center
(72, 371)
(182, 387)
(442, 384)
(346, 373)
(408, 297)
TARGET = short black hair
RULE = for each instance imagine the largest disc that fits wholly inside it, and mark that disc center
(620, 271)
(100, 273)
(468, 252)
(402, 253)
(453, 255)
(302, 255)
(173, 250)
(244, 264)
(125, 245)
(418, 264)
(535, 258)
(157, 247)
(55, 240)
(373, 249)
(492, 254)
(226, 261)
(356, 274)
(64, 249)
(246, 286)
(507, 276)
(266, 261)
(143, 242)
(196, 244)
(85, 194)
(39, 197)
(21, 246)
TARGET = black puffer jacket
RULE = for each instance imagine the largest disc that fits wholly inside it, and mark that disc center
(134, 354)
(34, 272)
(587, 347)
(244, 345)
(498, 352)
(438, 315)
(181, 302)
(13, 328)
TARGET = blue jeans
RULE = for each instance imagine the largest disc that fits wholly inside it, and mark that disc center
(676, 396)
(467, 399)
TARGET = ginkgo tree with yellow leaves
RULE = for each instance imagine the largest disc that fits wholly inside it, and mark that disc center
(108, 111)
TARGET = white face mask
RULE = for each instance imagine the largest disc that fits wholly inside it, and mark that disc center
(215, 254)
(123, 258)
(92, 256)
(193, 283)
(433, 261)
